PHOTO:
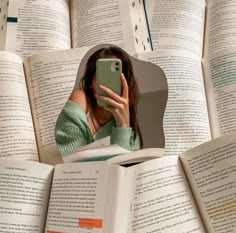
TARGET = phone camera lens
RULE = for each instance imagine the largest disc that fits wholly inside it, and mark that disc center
(117, 63)
(117, 68)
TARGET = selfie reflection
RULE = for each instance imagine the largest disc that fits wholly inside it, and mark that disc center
(104, 104)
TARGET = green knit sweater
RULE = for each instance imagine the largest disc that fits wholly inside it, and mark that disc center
(72, 131)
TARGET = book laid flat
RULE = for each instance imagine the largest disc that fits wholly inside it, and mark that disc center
(194, 43)
(34, 92)
(196, 53)
(34, 27)
(28, 114)
(194, 192)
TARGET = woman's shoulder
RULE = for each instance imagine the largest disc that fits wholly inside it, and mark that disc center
(78, 96)
(74, 110)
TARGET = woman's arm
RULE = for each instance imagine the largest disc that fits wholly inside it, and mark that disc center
(125, 138)
(71, 130)
(123, 134)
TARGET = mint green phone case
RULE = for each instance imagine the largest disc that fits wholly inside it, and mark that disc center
(108, 73)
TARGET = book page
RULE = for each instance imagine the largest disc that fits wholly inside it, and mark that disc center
(220, 82)
(211, 170)
(77, 201)
(122, 23)
(3, 22)
(25, 189)
(50, 79)
(150, 4)
(178, 24)
(137, 156)
(220, 26)
(17, 136)
(37, 26)
(95, 154)
(119, 199)
(185, 122)
(163, 202)
(96, 144)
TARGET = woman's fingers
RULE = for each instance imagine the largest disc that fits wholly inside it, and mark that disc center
(119, 110)
(113, 95)
(110, 93)
(109, 101)
(117, 105)
(125, 87)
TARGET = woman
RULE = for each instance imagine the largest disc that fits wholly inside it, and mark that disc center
(83, 121)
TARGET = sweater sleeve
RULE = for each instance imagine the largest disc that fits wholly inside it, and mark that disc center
(71, 131)
(125, 138)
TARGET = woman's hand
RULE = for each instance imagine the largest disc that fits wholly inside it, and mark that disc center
(118, 105)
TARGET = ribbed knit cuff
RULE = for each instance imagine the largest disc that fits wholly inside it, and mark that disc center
(121, 136)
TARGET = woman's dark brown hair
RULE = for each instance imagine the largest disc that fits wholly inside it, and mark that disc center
(127, 69)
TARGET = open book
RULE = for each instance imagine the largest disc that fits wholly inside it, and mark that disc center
(32, 95)
(33, 92)
(99, 153)
(194, 43)
(191, 193)
(30, 27)
(200, 74)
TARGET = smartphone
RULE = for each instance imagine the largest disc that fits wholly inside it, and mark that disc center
(108, 72)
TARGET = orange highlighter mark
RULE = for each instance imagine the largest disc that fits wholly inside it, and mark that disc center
(90, 222)
(54, 232)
